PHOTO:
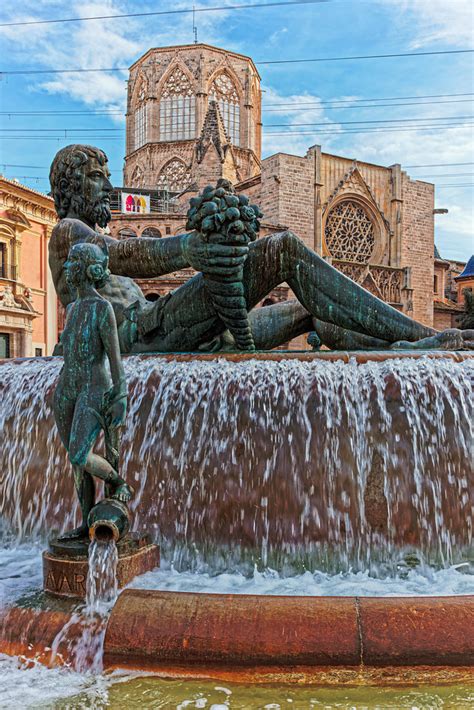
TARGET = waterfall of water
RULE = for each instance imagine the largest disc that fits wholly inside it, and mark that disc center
(323, 463)
(81, 640)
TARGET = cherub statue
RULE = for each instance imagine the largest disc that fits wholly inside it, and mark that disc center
(223, 217)
(88, 398)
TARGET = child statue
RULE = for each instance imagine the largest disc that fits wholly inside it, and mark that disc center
(89, 398)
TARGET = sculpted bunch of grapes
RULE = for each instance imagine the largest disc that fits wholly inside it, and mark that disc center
(223, 217)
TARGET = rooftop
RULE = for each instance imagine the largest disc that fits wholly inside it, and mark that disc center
(468, 269)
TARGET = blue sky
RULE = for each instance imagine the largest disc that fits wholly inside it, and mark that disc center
(328, 29)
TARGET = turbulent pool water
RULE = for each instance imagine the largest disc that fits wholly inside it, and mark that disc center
(305, 478)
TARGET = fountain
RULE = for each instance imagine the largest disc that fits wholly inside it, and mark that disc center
(351, 465)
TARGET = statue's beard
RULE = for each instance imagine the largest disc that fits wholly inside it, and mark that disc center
(96, 213)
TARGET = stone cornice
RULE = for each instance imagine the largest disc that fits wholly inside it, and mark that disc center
(27, 196)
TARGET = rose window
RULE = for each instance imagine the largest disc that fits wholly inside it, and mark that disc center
(350, 232)
(174, 177)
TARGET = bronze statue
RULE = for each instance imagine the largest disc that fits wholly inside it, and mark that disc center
(87, 398)
(342, 313)
(223, 217)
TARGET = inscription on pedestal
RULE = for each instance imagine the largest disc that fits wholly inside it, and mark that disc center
(72, 584)
(65, 574)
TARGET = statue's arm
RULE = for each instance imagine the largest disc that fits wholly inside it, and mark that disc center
(146, 257)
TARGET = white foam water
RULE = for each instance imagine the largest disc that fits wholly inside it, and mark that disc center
(80, 642)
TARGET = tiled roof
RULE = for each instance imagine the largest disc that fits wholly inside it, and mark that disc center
(468, 269)
(447, 306)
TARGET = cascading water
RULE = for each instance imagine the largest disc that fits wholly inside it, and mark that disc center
(82, 638)
(330, 464)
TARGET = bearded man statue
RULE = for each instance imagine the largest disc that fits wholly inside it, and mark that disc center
(343, 314)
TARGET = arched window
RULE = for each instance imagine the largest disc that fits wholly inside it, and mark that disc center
(174, 176)
(224, 92)
(126, 233)
(177, 108)
(349, 232)
(151, 232)
(139, 122)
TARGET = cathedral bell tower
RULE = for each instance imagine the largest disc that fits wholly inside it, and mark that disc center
(193, 116)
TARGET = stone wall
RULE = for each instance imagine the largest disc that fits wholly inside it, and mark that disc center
(417, 244)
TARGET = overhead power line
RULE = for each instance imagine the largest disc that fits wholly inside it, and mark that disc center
(9, 72)
(98, 130)
(368, 56)
(296, 107)
(43, 177)
(183, 11)
(383, 98)
(405, 167)
(78, 112)
(332, 131)
(445, 175)
(438, 165)
(385, 120)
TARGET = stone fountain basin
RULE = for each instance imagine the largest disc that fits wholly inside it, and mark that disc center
(257, 637)
(252, 637)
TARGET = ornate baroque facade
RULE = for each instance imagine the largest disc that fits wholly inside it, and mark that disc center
(27, 297)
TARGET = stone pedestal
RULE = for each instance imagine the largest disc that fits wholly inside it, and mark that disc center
(65, 564)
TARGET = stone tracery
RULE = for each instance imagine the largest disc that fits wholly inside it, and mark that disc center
(174, 176)
(140, 115)
(349, 232)
(177, 108)
(225, 94)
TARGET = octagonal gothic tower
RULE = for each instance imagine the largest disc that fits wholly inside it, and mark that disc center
(193, 115)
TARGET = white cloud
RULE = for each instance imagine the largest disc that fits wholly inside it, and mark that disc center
(437, 21)
(97, 43)
(454, 231)
(290, 110)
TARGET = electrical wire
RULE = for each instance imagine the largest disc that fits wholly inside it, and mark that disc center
(15, 112)
(266, 63)
(182, 11)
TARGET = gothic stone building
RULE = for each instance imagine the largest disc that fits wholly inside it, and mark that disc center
(194, 115)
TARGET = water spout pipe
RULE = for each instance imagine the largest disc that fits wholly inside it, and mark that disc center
(108, 520)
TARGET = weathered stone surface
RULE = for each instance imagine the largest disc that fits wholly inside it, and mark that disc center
(67, 576)
(155, 628)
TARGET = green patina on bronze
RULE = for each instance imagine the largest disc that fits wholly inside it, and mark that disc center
(91, 397)
(343, 314)
(223, 217)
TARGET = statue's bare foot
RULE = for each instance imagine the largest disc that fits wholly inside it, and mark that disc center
(123, 493)
(77, 534)
(450, 339)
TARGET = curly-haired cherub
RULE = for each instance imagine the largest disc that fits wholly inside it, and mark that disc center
(89, 398)
(223, 217)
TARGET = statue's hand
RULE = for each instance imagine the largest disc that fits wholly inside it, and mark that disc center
(213, 259)
(115, 415)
